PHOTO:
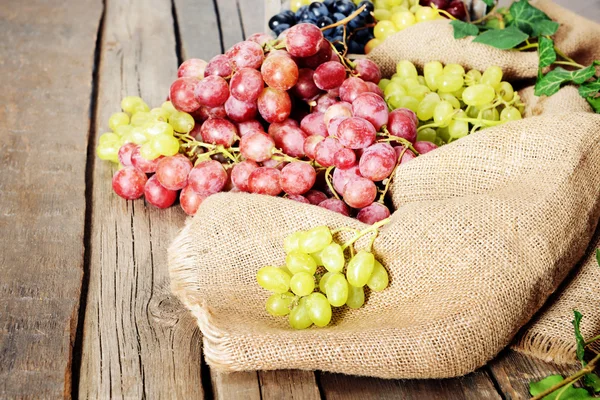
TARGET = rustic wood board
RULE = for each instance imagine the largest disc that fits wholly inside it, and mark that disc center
(46, 63)
(138, 340)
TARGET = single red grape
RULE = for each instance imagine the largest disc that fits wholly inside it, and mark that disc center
(190, 200)
(344, 158)
(249, 126)
(408, 155)
(257, 146)
(367, 70)
(341, 109)
(324, 54)
(204, 113)
(325, 151)
(424, 147)
(373, 88)
(335, 205)
(359, 192)
(342, 176)
(260, 38)
(219, 65)
(299, 198)
(377, 161)
(305, 87)
(182, 94)
(240, 174)
(374, 213)
(274, 105)
(194, 67)
(290, 140)
(352, 88)
(212, 91)
(372, 108)
(219, 131)
(172, 172)
(329, 75)
(246, 84)
(303, 40)
(457, 9)
(280, 72)
(314, 124)
(265, 180)
(240, 111)
(129, 183)
(125, 153)
(315, 197)
(310, 145)
(246, 54)
(356, 133)
(297, 178)
(401, 123)
(158, 195)
(208, 177)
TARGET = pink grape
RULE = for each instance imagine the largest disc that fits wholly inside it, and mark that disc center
(297, 178)
(303, 40)
(274, 164)
(324, 102)
(158, 195)
(264, 180)
(129, 183)
(280, 72)
(240, 111)
(402, 122)
(314, 124)
(368, 71)
(257, 146)
(377, 162)
(310, 145)
(374, 213)
(172, 172)
(352, 88)
(290, 140)
(194, 67)
(246, 84)
(373, 88)
(182, 94)
(249, 126)
(334, 92)
(219, 65)
(409, 113)
(324, 54)
(359, 192)
(286, 122)
(278, 52)
(125, 153)
(208, 177)
(372, 108)
(274, 105)
(260, 38)
(305, 87)
(246, 54)
(344, 158)
(335, 205)
(356, 133)
(315, 197)
(139, 162)
(334, 124)
(408, 155)
(219, 131)
(212, 91)
(424, 147)
(342, 176)
(325, 151)
(204, 113)
(329, 75)
(341, 109)
(299, 198)
(240, 174)
(190, 200)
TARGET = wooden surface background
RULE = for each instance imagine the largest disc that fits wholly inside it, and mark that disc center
(85, 307)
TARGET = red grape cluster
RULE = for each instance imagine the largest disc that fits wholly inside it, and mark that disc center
(286, 116)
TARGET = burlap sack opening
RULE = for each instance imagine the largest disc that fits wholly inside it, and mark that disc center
(576, 37)
(485, 229)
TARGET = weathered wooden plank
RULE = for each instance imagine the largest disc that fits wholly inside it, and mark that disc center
(199, 29)
(231, 21)
(288, 384)
(514, 371)
(475, 386)
(47, 57)
(236, 385)
(138, 339)
(253, 16)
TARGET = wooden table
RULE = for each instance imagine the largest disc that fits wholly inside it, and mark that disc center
(85, 306)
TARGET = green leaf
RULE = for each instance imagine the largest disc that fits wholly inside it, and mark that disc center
(544, 28)
(595, 104)
(589, 89)
(546, 52)
(579, 337)
(598, 256)
(464, 29)
(525, 17)
(570, 393)
(503, 39)
(592, 381)
(489, 3)
(583, 74)
(553, 80)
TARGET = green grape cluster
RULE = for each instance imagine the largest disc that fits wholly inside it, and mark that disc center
(318, 276)
(450, 102)
(152, 129)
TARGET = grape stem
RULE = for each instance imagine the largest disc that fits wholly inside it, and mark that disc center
(446, 13)
(328, 180)
(391, 138)
(345, 20)
(480, 121)
(592, 340)
(389, 180)
(373, 228)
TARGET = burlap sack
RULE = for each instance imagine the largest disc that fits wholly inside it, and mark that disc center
(577, 37)
(485, 229)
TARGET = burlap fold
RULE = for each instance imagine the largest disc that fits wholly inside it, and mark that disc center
(485, 229)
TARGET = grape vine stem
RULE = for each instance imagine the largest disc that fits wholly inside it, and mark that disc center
(345, 20)
(373, 228)
(328, 180)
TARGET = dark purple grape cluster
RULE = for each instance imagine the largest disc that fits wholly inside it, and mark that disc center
(358, 30)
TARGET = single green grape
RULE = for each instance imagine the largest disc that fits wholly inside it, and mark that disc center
(450, 98)
(319, 309)
(315, 239)
(292, 242)
(427, 105)
(108, 137)
(458, 93)
(443, 112)
(426, 135)
(478, 95)
(393, 3)
(506, 91)
(491, 114)
(317, 257)
(405, 69)
(297, 261)
(123, 130)
(298, 317)
(302, 283)
(431, 71)
(383, 83)
(141, 118)
(359, 268)
(403, 19)
(148, 152)
(333, 257)
(181, 121)
(473, 77)
(399, 9)
(136, 136)
(454, 69)
(165, 145)
(425, 14)
(472, 112)
(383, 29)
(443, 134)
(280, 304)
(410, 83)
(356, 297)
(337, 289)
(492, 76)
(160, 114)
(273, 279)
(168, 107)
(159, 128)
(323, 281)
(133, 104)
(394, 88)
(458, 129)
(419, 92)
(510, 114)
(108, 151)
(118, 119)
(448, 83)
(381, 14)
(404, 102)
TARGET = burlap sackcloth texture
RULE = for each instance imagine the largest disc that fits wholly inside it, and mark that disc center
(485, 230)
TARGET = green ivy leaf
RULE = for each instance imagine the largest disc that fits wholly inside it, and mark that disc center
(583, 74)
(545, 28)
(546, 52)
(503, 39)
(464, 29)
(553, 80)
(579, 337)
(526, 17)
(489, 3)
(592, 381)
(570, 393)
(589, 89)
(595, 103)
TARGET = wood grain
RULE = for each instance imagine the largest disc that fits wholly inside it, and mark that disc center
(514, 371)
(138, 340)
(288, 384)
(46, 63)
(236, 385)
(198, 28)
